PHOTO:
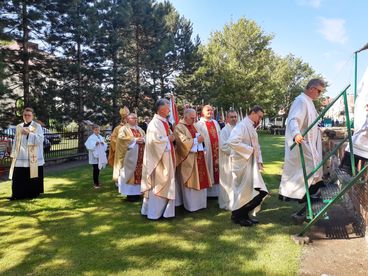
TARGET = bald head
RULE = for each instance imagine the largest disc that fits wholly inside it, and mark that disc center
(207, 111)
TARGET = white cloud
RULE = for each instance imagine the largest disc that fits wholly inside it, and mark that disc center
(313, 3)
(333, 30)
(331, 54)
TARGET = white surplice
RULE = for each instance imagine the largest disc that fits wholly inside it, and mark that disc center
(225, 198)
(96, 153)
(302, 113)
(194, 200)
(202, 129)
(34, 138)
(245, 156)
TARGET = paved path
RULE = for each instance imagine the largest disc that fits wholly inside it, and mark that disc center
(50, 168)
(64, 166)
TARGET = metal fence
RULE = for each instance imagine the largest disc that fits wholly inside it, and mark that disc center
(57, 146)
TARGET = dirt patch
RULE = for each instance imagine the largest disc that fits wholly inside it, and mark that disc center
(338, 246)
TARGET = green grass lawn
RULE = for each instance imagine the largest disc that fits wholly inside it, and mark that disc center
(76, 230)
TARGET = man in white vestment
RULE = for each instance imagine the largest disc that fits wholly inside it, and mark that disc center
(96, 147)
(191, 165)
(26, 169)
(131, 142)
(158, 175)
(360, 137)
(302, 114)
(225, 194)
(248, 186)
(210, 129)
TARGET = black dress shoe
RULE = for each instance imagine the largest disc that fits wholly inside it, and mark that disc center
(246, 223)
(254, 220)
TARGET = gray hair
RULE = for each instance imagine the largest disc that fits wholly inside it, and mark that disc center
(161, 102)
(131, 114)
(188, 111)
(315, 83)
(94, 126)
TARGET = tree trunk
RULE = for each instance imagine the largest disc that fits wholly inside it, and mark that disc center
(162, 83)
(25, 55)
(115, 90)
(80, 100)
(137, 67)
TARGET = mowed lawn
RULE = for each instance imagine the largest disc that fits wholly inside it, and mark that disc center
(74, 229)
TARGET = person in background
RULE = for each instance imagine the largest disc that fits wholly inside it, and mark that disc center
(226, 194)
(210, 130)
(96, 147)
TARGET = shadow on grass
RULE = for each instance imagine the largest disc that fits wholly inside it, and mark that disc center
(78, 230)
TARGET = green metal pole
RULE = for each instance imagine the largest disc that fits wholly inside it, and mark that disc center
(324, 111)
(355, 75)
(306, 182)
(352, 159)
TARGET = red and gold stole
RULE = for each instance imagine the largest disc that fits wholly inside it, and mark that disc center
(212, 132)
(167, 128)
(138, 168)
(201, 162)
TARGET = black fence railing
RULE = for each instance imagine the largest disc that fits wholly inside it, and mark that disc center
(64, 145)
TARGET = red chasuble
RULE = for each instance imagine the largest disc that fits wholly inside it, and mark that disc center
(138, 168)
(212, 132)
(167, 128)
(201, 162)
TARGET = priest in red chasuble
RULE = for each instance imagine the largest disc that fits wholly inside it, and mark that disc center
(191, 165)
(210, 130)
(131, 141)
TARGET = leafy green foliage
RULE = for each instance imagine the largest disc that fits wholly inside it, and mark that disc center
(84, 59)
(240, 69)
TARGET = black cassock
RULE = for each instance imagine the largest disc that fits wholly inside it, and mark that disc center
(25, 187)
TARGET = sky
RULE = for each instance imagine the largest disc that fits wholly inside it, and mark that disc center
(323, 33)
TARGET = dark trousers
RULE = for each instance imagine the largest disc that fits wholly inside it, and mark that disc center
(243, 212)
(25, 187)
(96, 174)
(346, 163)
(134, 198)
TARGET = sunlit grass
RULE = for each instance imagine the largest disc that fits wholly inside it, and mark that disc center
(74, 229)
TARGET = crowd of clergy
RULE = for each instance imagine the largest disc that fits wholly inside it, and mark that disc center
(191, 161)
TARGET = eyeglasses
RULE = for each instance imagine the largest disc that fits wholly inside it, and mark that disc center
(319, 90)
